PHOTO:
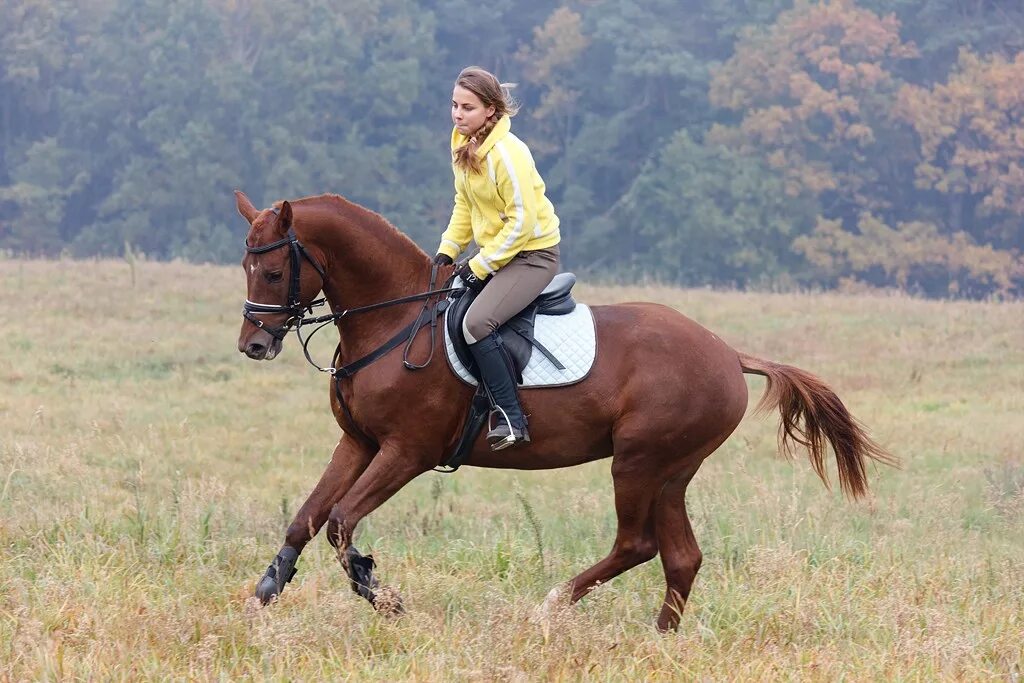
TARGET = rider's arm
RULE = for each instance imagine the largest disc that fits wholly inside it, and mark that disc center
(514, 173)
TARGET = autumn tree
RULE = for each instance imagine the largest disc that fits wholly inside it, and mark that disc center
(729, 142)
(912, 255)
(547, 64)
(971, 133)
(964, 233)
(942, 28)
(814, 90)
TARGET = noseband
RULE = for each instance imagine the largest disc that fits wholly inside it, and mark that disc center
(294, 307)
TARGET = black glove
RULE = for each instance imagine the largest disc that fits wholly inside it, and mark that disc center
(469, 278)
(443, 260)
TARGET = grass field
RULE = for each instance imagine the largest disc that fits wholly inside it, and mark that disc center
(148, 470)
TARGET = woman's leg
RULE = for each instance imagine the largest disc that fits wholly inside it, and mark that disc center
(511, 290)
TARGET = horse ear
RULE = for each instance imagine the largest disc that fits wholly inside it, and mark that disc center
(245, 207)
(284, 217)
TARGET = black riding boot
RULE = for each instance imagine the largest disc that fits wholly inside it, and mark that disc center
(497, 374)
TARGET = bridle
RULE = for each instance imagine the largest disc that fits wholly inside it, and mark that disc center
(433, 307)
(297, 318)
(294, 308)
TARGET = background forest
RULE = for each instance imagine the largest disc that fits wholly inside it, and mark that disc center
(760, 143)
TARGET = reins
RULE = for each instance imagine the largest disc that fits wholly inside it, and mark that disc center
(407, 334)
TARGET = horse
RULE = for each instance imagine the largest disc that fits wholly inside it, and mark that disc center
(663, 394)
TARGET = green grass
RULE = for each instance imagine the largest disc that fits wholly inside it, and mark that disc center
(148, 470)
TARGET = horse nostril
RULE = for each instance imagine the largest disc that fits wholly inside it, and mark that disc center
(255, 350)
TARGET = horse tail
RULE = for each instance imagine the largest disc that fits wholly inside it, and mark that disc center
(800, 396)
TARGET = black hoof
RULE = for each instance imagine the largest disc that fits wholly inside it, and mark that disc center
(267, 589)
(280, 572)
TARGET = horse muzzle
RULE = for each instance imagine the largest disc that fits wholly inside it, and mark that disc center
(261, 345)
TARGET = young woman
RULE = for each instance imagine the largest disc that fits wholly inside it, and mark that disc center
(500, 204)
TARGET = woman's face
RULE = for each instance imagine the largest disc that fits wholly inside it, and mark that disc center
(468, 112)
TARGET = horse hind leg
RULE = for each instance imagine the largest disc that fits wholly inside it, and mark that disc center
(639, 471)
(680, 555)
(635, 541)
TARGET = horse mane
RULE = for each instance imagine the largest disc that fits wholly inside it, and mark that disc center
(358, 216)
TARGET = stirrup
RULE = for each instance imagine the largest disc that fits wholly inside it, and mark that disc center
(500, 443)
(505, 436)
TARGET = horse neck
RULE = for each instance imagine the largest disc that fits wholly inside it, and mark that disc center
(367, 262)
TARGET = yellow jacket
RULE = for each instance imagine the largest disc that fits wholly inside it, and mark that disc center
(503, 208)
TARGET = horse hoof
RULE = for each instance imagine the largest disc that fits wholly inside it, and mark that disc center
(360, 573)
(280, 572)
(267, 590)
(555, 603)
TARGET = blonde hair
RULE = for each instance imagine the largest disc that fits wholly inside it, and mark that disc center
(492, 93)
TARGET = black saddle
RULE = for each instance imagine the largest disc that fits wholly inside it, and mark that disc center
(517, 337)
(517, 334)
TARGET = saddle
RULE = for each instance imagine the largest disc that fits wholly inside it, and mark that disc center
(517, 336)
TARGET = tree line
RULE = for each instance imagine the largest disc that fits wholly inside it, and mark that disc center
(731, 143)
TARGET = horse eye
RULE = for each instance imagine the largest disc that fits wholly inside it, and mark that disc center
(274, 277)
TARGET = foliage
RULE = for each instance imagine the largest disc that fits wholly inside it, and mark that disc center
(971, 131)
(546, 65)
(706, 214)
(130, 122)
(813, 90)
(824, 104)
(912, 255)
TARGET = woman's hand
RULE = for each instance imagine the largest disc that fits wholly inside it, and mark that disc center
(443, 260)
(469, 278)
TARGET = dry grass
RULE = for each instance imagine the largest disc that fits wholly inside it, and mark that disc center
(147, 472)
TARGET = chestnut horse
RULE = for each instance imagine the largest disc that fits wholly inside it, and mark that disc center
(663, 394)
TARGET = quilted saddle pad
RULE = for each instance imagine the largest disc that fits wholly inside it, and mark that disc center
(571, 338)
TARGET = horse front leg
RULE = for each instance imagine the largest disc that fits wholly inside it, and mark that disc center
(390, 470)
(349, 461)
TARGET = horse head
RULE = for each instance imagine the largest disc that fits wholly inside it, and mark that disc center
(277, 287)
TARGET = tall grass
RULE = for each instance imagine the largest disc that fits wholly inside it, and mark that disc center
(147, 472)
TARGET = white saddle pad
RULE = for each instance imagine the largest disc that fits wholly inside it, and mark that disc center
(571, 338)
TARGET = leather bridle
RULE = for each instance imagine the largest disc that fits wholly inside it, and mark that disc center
(433, 307)
(297, 318)
(294, 306)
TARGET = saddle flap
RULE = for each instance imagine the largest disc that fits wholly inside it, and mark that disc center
(563, 348)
